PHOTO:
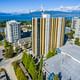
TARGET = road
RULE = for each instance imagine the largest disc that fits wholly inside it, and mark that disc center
(1, 48)
(7, 65)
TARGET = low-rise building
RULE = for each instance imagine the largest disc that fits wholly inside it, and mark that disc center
(66, 64)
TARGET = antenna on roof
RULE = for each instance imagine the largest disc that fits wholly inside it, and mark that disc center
(42, 9)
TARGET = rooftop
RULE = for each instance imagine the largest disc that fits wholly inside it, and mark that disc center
(24, 40)
(13, 21)
(45, 15)
(65, 62)
(72, 50)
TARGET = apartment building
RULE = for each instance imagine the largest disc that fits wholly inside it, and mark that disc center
(13, 31)
(47, 34)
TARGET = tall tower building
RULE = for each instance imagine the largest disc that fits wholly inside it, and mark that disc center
(76, 26)
(13, 31)
(47, 34)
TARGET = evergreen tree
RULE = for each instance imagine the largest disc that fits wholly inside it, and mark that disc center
(32, 70)
(40, 73)
(9, 52)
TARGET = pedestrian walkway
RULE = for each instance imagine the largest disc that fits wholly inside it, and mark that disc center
(25, 71)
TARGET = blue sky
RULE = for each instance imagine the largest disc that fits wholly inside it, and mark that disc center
(26, 5)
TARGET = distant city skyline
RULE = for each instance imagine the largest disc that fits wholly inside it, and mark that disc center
(27, 5)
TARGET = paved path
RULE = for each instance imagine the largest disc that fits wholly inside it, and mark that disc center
(7, 65)
(25, 71)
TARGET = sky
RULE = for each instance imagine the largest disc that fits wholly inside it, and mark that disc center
(27, 5)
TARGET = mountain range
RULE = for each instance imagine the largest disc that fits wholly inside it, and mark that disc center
(28, 16)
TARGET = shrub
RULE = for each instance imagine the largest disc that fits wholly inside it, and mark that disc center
(51, 53)
(18, 71)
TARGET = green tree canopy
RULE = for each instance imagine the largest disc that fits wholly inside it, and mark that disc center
(32, 70)
(56, 77)
(30, 65)
(70, 35)
(2, 24)
(40, 73)
(26, 59)
(9, 52)
(6, 43)
(19, 73)
(68, 23)
(77, 41)
(51, 53)
(26, 22)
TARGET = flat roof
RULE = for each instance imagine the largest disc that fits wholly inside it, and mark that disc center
(53, 64)
(65, 64)
(72, 50)
(24, 40)
(13, 21)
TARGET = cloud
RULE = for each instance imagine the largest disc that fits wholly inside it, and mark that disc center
(67, 8)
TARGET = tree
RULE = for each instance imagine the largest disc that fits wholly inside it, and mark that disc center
(1, 36)
(6, 43)
(16, 50)
(56, 77)
(2, 24)
(40, 73)
(29, 63)
(30, 66)
(68, 23)
(32, 70)
(77, 42)
(26, 59)
(9, 52)
(26, 22)
(51, 53)
(18, 71)
(70, 34)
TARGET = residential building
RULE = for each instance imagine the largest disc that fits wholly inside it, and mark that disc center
(13, 31)
(66, 64)
(47, 34)
(74, 22)
(76, 26)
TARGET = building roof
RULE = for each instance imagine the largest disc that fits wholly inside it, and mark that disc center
(53, 64)
(13, 21)
(46, 15)
(24, 40)
(72, 50)
(68, 66)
